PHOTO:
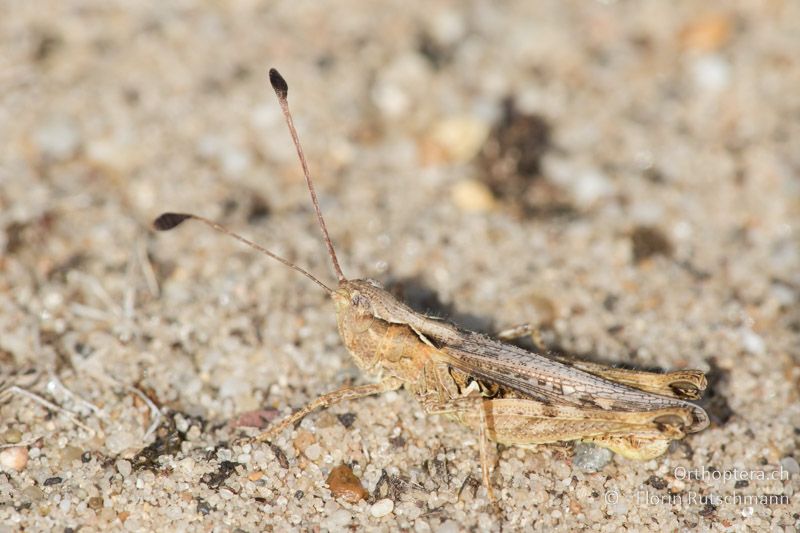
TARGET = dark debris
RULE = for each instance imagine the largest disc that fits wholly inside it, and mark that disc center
(347, 419)
(280, 455)
(390, 486)
(657, 482)
(649, 241)
(511, 164)
(168, 442)
(203, 507)
(215, 479)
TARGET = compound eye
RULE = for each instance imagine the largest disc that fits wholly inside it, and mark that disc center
(360, 301)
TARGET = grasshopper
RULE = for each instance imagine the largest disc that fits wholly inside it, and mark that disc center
(507, 394)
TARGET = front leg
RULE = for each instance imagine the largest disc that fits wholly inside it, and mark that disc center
(326, 400)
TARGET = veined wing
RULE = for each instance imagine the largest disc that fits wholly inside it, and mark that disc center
(550, 381)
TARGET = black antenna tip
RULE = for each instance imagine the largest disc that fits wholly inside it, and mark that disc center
(167, 221)
(278, 83)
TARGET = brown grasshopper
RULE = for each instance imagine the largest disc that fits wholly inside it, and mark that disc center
(509, 395)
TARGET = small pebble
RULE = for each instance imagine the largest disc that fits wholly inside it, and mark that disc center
(120, 441)
(65, 504)
(33, 493)
(337, 520)
(303, 440)
(472, 196)
(345, 484)
(753, 343)
(589, 187)
(59, 139)
(459, 138)
(707, 33)
(711, 73)
(313, 452)
(193, 433)
(14, 458)
(124, 467)
(12, 436)
(790, 465)
(95, 502)
(591, 458)
(381, 508)
(70, 454)
(181, 424)
(447, 26)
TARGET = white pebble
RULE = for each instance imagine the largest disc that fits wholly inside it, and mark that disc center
(472, 196)
(753, 343)
(711, 73)
(65, 505)
(590, 186)
(381, 508)
(791, 465)
(338, 519)
(447, 27)
(124, 467)
(591, 458)
(235, 161)
(59, 139)
(313, 452)
(14, 458)
(461, 137)
(53, 300)
(181, 424)
(120, 441)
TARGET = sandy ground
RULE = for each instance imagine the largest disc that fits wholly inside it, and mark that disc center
(625, 174)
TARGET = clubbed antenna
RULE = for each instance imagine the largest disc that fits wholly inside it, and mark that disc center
(282, 91)
(167, 221)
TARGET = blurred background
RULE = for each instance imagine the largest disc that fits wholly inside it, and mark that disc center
(624, 174)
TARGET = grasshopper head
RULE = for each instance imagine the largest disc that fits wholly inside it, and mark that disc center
(358, 324)
(355, 297)
(368, 298)
(369, 317)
